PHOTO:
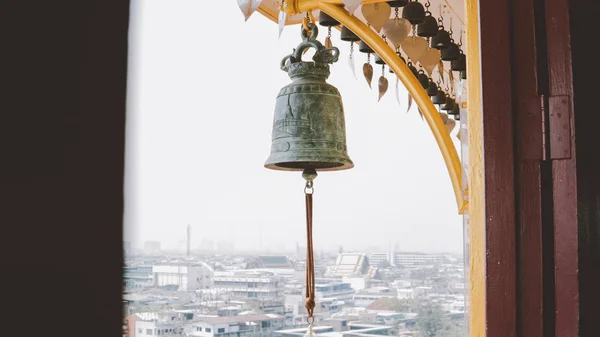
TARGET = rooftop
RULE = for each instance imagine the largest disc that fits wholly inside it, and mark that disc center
(238, 319)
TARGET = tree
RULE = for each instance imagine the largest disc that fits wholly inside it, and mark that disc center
(432, 322)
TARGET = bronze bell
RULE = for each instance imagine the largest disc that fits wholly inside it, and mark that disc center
(451, 53)
(400, 3)
(363, 47)
(423, 79)
(414, 12)
(348, 35)
(327, 21)
(441, 40)
(460, 64)
(463, 75)
(432, 89)
(449, 105)
(439, 98)
(428, 28)
(379, 60)
(309, 129)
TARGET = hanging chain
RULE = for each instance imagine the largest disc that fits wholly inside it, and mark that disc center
(368, 57)
(305, 23)
(397, 12)
(427, 5)
(450, 32)
(309, 175)
(351, 48)
(441, 20)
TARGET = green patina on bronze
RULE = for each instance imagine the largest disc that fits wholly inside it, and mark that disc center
(309, 129)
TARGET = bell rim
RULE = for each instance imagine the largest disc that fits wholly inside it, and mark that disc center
(345, 165)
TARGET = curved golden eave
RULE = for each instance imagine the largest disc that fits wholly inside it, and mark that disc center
(423, 101)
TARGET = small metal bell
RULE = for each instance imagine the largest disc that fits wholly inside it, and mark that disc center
(428, 28)
(348, 35)
(413, 70)
(432, 89)
(423, 79)
(463, 75)
(309, 129)
(327, 21)
(441, 40)
(363, 47)
(460, 64)
(449, 104)
(451, 53)
(379, 60)
(455, 110)
(414, 12)
(400, 3)
(439, 98)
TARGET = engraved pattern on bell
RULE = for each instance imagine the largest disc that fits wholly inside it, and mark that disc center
(308, 125)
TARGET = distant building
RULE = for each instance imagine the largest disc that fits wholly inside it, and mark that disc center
(238, 326)
(138, 276)
(249, 284)
(409, 259)
(162, 323)
(271, 262)
(152, 247)
(352, 264)
(365, 297)
(348, 330)
(184, 275)
(333, 290)
(379, 258)
(404, 259)
(263, 290)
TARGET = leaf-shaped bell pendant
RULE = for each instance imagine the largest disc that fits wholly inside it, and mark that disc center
(309, 129)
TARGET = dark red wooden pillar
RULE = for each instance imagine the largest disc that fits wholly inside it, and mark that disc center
(498, 142)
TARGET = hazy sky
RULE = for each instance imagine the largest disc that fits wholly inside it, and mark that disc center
(202, 88)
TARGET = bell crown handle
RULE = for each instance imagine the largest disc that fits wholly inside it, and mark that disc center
(322, 55)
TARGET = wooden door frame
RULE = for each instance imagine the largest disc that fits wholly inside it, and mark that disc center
(523, 210)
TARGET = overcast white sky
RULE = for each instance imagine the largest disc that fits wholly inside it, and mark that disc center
(202, 88)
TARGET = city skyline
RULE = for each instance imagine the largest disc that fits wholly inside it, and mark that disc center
(197, 139)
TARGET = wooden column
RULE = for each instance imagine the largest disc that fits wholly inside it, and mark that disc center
(529, 143)
(498, 179)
